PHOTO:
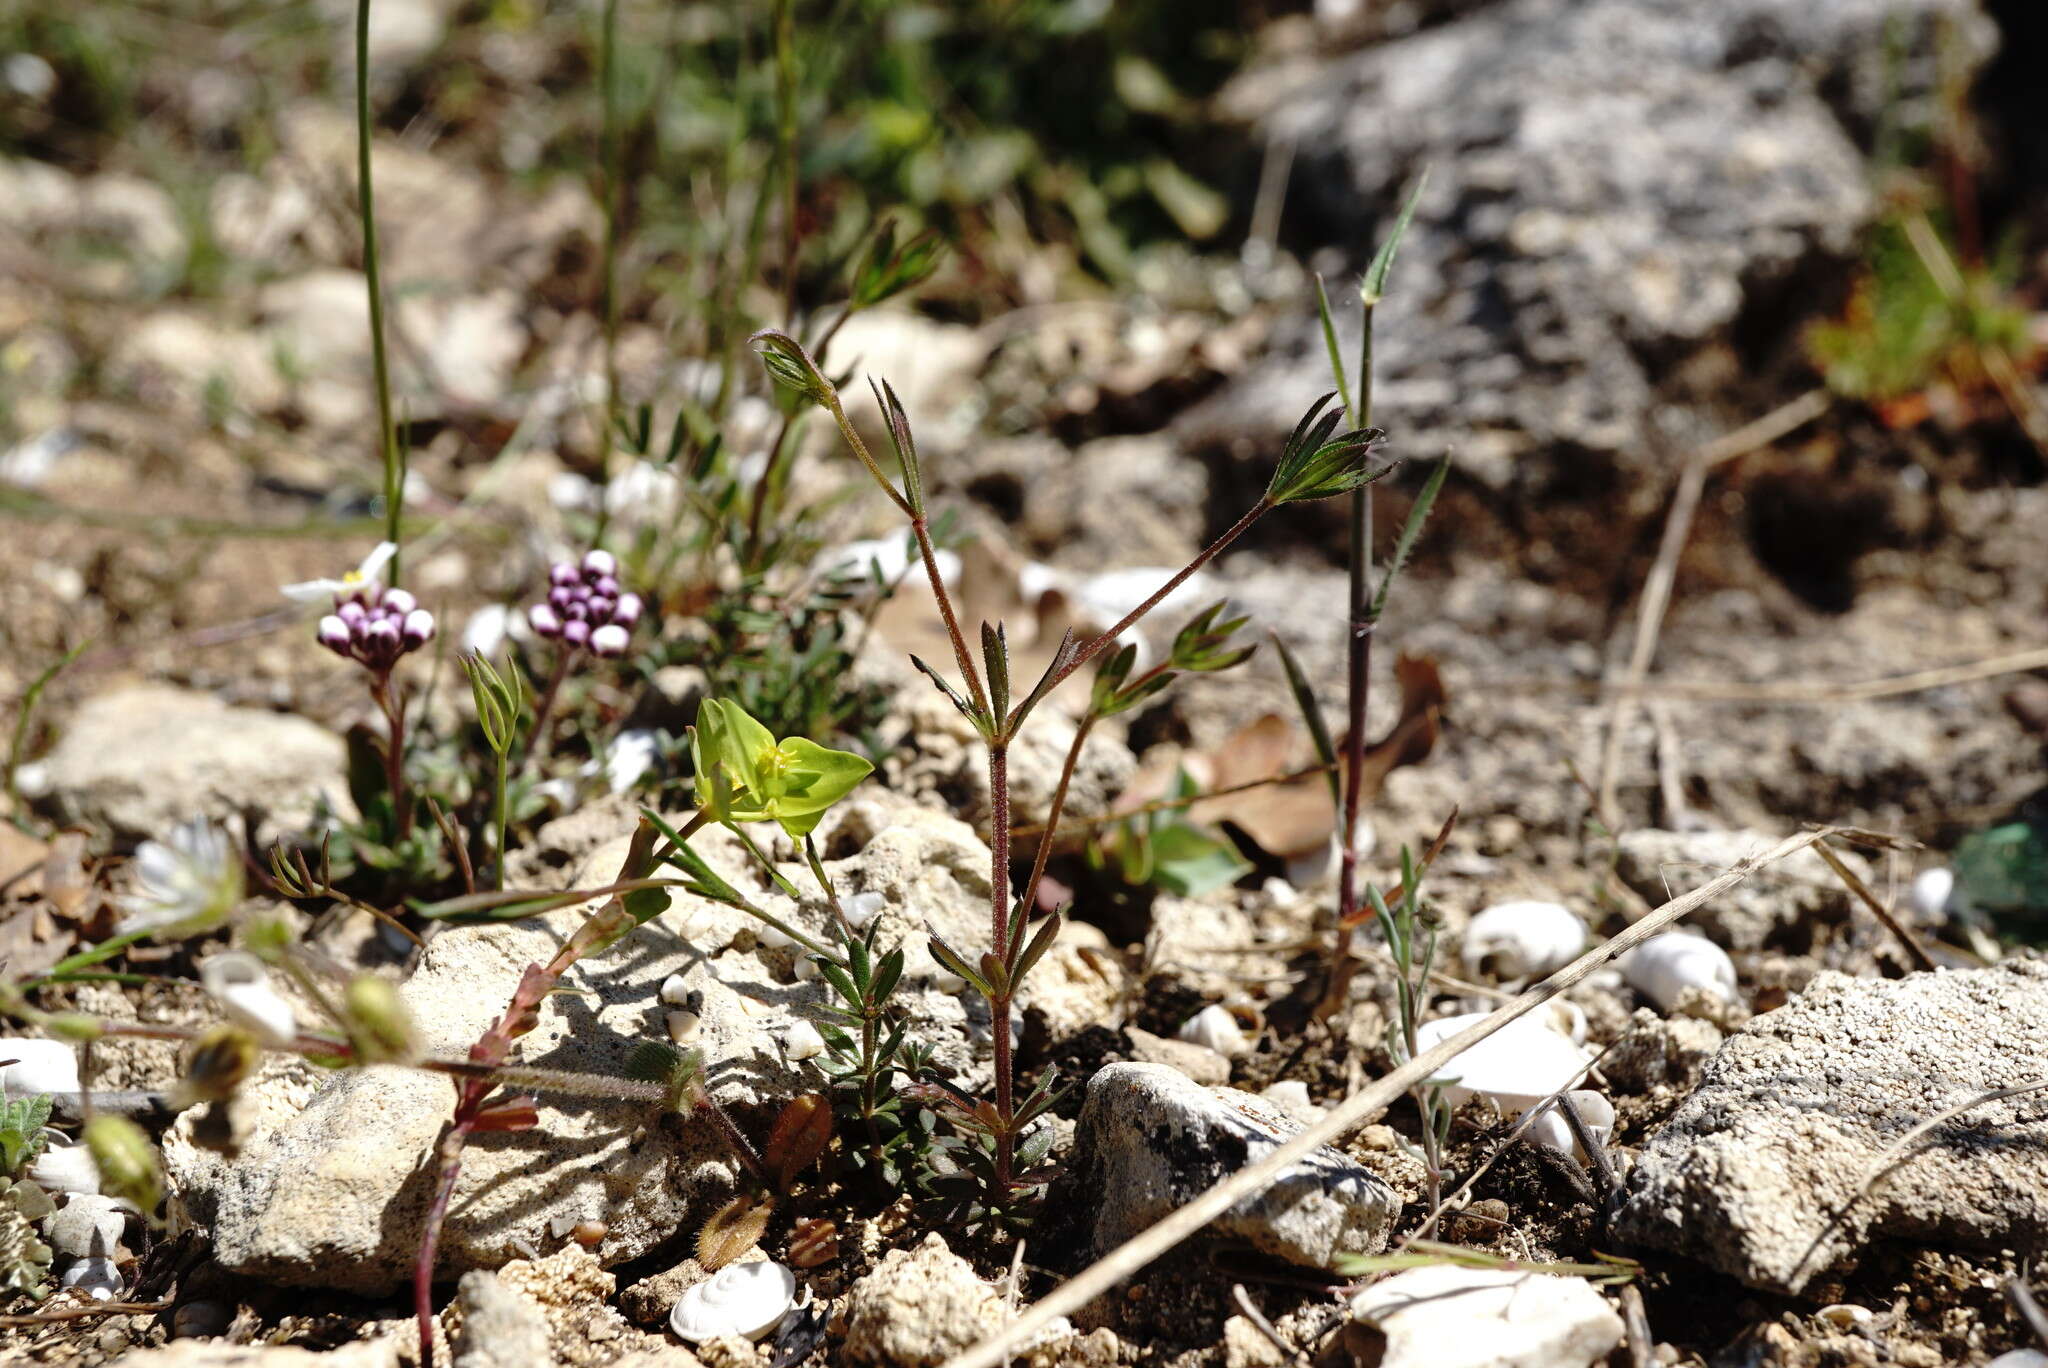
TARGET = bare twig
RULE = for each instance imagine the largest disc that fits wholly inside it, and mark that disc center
(1914, 950)
(1249, 1309)
(71, 1313)
(1142, 1249)
(1642, 1350)
(2028, 1309)
(1685, 501)
(1796, 691)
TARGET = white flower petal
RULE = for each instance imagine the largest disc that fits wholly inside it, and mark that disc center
(312, 591)
(372, 568)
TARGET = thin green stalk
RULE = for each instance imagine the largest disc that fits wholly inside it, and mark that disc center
(785, 102)
(394, 467)
(1358, 655)
(608, 48)
(504, 823)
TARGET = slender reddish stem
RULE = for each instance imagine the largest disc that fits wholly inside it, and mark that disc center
(960, 652)
(1209, 553)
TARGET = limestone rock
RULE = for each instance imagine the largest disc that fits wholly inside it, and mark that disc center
(1663, 864)
(141, 759)
(1198, 1062)
(187, 1353)
(1612, 181)
(918, 1308)
(1446, 1317)
(1762, 1171)
(332, 1184)
(499, 1328)
(1151, 1139)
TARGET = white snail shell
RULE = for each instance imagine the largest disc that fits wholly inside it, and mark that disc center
(1517, 1066)
(862, 908)
(1513, 940)
(1550, 1128)
(65, 1168)
(1216, 1028)
(682, 1025)
(674, 991)
(803, 1042)
(742, 1299)
(96, 1277)
(1663, 967)
(240, 984)
(40, 1066)
(1931, 891)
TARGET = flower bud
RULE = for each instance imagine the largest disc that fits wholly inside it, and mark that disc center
(418, 628)
(399, 601)
(563, 574)
(610, 640)
(560, 599)
(351, 612)
(599, 563)
(216, 1065)
(126, 1160)
(333, 633)
(544, 620)
(600, 608)
(576, 632)
(626, 611)
(379, 1026)
(608, 585)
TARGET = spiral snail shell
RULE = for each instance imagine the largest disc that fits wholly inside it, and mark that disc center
(747, 1299)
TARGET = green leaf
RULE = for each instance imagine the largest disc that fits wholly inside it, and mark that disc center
(1330, 342)
(1189, 862)
(1411, 530)
(1311, 715)
(1374, 288)
(1048, 931)
(1320, 462)
(512, 904)
(887, 973)
(955, 963)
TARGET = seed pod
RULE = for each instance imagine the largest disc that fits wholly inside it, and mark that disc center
(216, 1065)
(127, 1161)
(379, 1026)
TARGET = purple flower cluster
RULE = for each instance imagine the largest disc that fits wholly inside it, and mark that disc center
(586, 608)
(375, 626)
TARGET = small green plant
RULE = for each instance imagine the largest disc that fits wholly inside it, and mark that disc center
(500, 699)
(23, 1123)
(996, 1146)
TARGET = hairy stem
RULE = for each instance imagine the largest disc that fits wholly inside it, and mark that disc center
(1029, 897)
(1215, 548)
(961, 655)
(1358, 655)
(387, 431)
(999, 936)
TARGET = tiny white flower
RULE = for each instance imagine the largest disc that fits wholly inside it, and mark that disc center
(241, 985)
(371, 571)
(629, 758)
(184, 886)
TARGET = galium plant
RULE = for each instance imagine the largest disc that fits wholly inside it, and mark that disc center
(1321, 459)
